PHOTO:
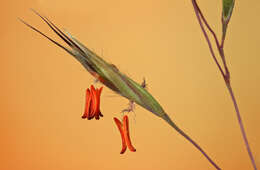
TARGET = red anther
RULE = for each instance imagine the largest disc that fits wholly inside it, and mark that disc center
(124, 131)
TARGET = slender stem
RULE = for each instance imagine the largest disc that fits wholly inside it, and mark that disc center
(219, 47)
(207, 37)
(206, 23)
(241, 124)
(226, 76)
(170, 122)
(222, 54)
(224, 31)
(222, 41)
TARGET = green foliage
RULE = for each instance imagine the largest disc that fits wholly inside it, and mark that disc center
(116, 80)
(228, 6)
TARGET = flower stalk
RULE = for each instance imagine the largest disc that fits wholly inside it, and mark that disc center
(228, 6)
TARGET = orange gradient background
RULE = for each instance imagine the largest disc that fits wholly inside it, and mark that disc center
(43, 87)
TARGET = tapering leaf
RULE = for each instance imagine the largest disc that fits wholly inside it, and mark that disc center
(228, 6)
(227, 10)
(124, 85)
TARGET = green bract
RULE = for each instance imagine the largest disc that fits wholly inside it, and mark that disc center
(110, 75)
(117, 81)
(228, 6)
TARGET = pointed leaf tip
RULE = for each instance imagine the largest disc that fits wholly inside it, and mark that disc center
(228, 6)
(227, 10)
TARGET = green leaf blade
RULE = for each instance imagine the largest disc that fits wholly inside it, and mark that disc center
(228, 6)
(118, 81)
(227, 10)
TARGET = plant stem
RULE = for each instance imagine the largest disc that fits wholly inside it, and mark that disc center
(206, 36)
(206, 23)
(241, 124)
(170, 122)
(219, 47)
(226, 75)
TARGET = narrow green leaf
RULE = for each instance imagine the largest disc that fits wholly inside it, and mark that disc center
(125, 86)
(228, 6)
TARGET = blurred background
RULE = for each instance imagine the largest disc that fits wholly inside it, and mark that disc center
(43, 87)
